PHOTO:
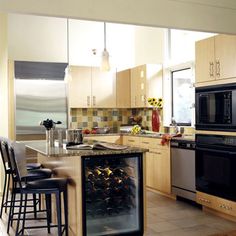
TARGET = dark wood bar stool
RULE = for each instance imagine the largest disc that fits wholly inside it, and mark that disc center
(30, 176)
(56, 186)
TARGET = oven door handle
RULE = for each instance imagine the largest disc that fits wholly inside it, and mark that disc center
(214, 150)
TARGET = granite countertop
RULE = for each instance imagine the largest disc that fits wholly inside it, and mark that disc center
(150, 135)
(43, 148)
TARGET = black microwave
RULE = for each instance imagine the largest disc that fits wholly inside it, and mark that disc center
(216, 107)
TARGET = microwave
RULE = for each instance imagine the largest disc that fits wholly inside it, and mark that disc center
(216, 107)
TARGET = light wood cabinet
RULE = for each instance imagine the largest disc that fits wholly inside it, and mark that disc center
(219, 204)
(131, 140)
(105, 138)
(215, 58)
(158, 174)
(123, 89)
(146, 81)
(90, 87)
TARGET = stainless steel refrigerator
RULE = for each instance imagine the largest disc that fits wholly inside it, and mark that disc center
(40, 93)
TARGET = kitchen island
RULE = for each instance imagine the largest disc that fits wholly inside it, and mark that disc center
(105, 187)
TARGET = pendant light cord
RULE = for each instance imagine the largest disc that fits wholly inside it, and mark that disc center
(105, 35)
(67, 29)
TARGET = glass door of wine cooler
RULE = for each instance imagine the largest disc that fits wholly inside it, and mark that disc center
(112, 195)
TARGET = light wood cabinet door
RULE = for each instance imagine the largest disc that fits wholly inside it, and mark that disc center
(150, 175)
(162, 181)
(225, 56)
(79, 87)
(103, 88)
(138, 86)
(123, 89)
(205, 60)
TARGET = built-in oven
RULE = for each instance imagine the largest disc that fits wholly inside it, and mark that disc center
(216, 165)
(215, 108)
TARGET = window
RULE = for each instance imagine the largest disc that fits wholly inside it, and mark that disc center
(182, 96)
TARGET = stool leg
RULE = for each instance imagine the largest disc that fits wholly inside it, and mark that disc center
(40, 206)
(58, 204)
(48, 210)
(12, 204)
(65, 197)
(13, 208)
(24, 214)
(35, 207)
(8, 185)
(3, 195)
(19, 215)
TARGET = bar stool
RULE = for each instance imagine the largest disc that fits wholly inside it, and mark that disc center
(30, 176)
(48, 187)
(7, 172)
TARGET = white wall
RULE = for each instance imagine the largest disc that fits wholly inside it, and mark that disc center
(3, 85)
(36, 38)
(87, 35)
(149, 45)
(201, 15)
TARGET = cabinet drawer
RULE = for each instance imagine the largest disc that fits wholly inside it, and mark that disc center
(205, 199)
(154, 143)
(226, 206)
(222, 205)
(131, 141)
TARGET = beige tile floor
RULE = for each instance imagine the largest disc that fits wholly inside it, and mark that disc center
(165, 217)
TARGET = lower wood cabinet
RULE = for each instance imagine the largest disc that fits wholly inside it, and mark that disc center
(158, 175)
(219, 204)
(105, 138)
(132, 141)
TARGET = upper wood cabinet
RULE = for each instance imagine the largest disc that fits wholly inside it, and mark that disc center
(90, 87)
(146, 81)
(215, 58)
(123, 82)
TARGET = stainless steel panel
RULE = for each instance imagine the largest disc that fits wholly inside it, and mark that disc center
(183, 168)
(37, 100)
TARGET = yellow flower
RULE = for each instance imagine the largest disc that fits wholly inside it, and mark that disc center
(156, 102)
(135, 129)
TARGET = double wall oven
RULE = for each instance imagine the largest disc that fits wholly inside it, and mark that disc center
(216, 165)
(216, 154)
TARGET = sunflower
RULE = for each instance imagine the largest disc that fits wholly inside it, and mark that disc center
(156, 102)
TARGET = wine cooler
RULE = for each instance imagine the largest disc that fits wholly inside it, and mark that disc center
(112, 195)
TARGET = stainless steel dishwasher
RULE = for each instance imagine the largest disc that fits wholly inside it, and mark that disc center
(183, 168)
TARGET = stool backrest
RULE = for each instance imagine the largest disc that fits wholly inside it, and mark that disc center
(4, 154)
(18, 162)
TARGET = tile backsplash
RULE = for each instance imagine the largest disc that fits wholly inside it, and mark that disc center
(111, 117)
(88, 118)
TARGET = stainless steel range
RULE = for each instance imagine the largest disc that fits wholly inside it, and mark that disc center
(183, 168)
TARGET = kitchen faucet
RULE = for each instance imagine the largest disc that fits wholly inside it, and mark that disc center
(174, 123)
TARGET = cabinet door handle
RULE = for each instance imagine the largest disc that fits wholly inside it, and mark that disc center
(131, 141)
(135, 100)
(144, 100)
(94, 101)
(88, 101)
(218, 68)
(145, 142)
(211, 69)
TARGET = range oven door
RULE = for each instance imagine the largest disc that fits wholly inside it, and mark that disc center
(215, 171)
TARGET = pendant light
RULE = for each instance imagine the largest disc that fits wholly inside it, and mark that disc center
(68, 77)
(105, 65)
